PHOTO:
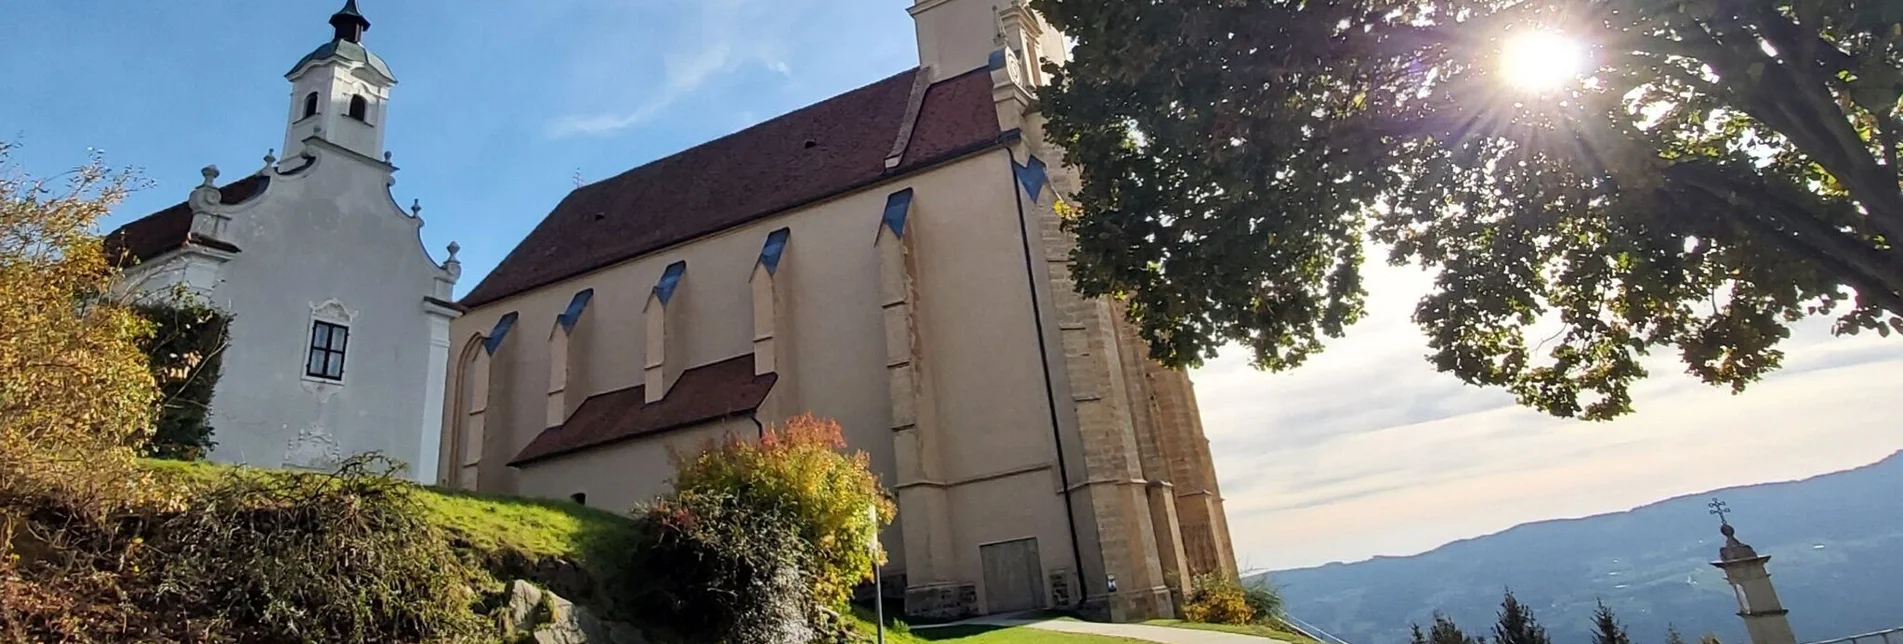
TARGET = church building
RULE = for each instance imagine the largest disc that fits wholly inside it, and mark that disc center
(339, 339)
(891, 257)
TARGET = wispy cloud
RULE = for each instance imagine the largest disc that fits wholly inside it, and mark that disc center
(1368, 450)
(713, 38)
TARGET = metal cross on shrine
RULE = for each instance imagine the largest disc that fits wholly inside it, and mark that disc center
(1719, 508)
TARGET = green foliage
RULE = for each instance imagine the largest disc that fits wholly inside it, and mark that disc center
(716, 567)
(1672, 636)
(1217, 599)
(1517, 624)
(1446, 632)
(314, 558)
(1608, 630)
(240, 556)
(186, 356)
(757, 536)
(800, 471)
(1263, 599)
(1723, 170)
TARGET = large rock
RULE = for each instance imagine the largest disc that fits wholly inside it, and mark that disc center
(549, 619)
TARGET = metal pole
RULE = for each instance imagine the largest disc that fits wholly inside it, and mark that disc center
(878, 598)
(878, 580)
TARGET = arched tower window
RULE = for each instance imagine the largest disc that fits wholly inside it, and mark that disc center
(310, 105)
(359, 108)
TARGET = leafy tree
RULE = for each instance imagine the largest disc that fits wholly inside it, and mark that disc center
(1606, 628)
(186, 352)
(1517, 624)
(76, 399)
(1446, 632)
(798, 471)
(1672, 636)
(1720, 170)
(1414, 634)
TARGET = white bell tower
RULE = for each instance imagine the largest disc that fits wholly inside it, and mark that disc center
(1765, 618)
(339, 92)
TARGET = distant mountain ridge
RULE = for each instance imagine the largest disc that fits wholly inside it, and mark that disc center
(1835, 541)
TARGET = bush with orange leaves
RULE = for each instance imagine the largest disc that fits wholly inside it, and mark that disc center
(801, 471)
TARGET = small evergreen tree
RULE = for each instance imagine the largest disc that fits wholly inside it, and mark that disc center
(1606, 628)
(1517, 624)
(1672, 636)
(186, 354)
(1446, 632)
(1416, 637)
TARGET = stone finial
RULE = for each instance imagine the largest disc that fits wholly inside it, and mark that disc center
(387, 156)
(210, 173)
(452, 265)
(416, 210)
(270, 157)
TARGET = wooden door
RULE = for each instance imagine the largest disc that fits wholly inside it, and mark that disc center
(1014, 577)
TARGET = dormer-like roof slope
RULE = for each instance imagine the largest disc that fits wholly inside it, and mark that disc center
(821, 151)
(170, 229)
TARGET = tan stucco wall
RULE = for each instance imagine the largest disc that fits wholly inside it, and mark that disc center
(621, 476)
(977, 339)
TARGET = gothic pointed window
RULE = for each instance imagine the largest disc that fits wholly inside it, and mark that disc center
(359, 108)
(310, 105)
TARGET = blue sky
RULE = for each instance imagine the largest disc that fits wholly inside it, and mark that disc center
(1366, 451)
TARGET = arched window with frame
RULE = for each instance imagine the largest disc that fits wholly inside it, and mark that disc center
(310, 105)
(359, 108)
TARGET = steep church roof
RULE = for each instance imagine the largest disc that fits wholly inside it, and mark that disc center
(170, 229)
(815, 153)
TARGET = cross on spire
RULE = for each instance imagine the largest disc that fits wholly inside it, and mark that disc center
(1719, 508)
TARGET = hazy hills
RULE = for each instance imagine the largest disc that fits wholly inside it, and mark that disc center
(1836, 543)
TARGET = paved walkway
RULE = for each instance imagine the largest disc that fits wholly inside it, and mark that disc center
(1163, 634)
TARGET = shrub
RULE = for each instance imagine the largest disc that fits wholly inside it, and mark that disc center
(715, 567)
(800, 471)
(186, 353)
(1264, 600)
(346, 557)
(75, 396)
(1215, 599)
(250, 557)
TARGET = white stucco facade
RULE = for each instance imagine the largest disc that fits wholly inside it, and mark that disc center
(321, 241)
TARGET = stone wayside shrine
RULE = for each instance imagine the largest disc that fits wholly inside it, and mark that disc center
(890, 257)
(1765, 618)
(340, 319)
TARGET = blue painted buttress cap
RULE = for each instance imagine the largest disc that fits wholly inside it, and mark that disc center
(996, 61)
(670, 279)
(497, 334)
(775, 247)
(1033, 176)
(576, 306)
(897, 207)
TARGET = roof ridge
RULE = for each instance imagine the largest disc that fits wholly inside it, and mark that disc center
(750, 128)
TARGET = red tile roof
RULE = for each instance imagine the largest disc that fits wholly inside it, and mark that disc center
(724, 389)
(170, 229)
(817, 152)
